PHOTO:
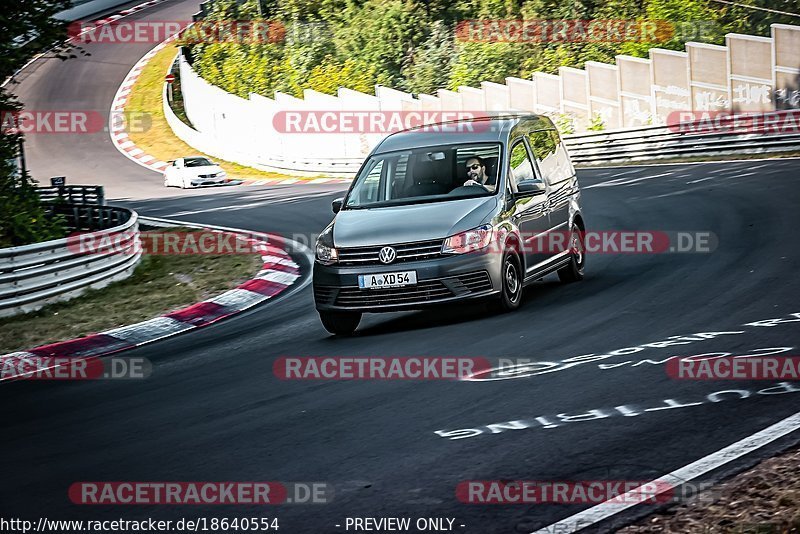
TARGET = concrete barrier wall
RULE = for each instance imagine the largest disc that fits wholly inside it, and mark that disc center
(521, 94)
(670, 83)
(634, 91)
(575, 96)
(750, 68)
(708, 77)
(451, 101)
(604, 93)
(786, 43)
(548, 93)
(472, 99)
(496, 96)
(747, 74)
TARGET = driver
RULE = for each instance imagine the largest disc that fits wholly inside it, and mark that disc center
(476, 172)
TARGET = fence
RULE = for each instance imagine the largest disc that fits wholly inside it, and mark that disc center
(73, 194)
(32, 276)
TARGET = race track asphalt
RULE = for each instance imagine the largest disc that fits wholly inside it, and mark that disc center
(213, 409)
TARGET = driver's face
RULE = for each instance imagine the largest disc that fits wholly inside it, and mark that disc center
(475, 171)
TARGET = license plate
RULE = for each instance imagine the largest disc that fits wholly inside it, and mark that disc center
(376, 281)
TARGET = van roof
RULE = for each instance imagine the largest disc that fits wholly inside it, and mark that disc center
(485, 129)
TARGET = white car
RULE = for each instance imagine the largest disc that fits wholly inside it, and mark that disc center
(195, 171)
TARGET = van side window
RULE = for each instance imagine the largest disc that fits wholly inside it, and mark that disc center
(563, 163)
(519, 165)
(544, 151)
(551, 156)
(369, 191)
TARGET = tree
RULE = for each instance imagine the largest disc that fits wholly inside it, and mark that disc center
(28, 28)
(430, 64)
(380, 33)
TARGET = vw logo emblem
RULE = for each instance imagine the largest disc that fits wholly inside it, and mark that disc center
(387, 255)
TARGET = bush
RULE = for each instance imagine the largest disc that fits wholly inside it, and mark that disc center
(23, 218)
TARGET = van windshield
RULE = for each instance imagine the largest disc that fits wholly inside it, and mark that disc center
(430, 174)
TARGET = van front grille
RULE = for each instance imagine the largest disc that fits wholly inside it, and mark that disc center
(421, 250)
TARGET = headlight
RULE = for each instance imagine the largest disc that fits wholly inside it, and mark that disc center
(325, 252)
(222, 174)
(475, 239)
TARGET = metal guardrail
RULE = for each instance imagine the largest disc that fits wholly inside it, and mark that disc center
(32, 276)
(737, 134)
(73, 194)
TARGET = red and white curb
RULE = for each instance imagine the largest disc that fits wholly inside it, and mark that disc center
(117, 125)
(278, 274)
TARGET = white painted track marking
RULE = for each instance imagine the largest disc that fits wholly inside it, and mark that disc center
(695, 469)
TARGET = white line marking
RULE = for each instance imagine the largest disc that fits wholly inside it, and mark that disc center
(624, 181)
(624, 173)
(695, 469)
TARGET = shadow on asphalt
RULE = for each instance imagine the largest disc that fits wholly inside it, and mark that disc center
(446, 315)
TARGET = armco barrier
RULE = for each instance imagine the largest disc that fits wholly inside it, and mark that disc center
(32, 276)
(731, 135)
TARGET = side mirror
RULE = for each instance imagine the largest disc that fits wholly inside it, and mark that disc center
(530, 187)
(336, 205)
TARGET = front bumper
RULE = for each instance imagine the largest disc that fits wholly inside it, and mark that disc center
(201, 182)
(439, 281)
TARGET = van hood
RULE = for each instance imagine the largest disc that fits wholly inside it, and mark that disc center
(408, 223)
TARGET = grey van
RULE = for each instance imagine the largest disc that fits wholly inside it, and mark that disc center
(451, 212)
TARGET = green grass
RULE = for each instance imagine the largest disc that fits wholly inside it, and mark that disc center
(160, 284)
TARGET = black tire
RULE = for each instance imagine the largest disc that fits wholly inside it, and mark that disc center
(511, 281)
(340, 323)
(573, 271)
